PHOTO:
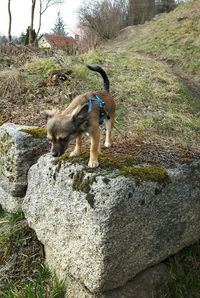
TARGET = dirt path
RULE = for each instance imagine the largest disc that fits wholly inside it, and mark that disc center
(188, 81)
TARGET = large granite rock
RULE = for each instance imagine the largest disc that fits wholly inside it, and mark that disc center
(146, 284)
(18, 151)
(101, 228)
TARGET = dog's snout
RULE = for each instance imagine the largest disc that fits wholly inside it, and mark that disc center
(54, 154)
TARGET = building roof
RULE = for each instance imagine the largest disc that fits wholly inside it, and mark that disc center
(60, 41)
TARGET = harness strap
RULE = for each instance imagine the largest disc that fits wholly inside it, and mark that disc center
(99, 101)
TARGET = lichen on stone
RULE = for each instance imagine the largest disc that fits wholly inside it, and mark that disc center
(36, 132)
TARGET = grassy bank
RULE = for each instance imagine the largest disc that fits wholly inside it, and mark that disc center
(174, 37)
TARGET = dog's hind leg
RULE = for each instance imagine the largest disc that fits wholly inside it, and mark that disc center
(95, 140)
(77, 149)
(108, 133)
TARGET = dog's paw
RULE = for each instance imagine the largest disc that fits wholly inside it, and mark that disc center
(93, 164)
(107, 144)
(74, 154)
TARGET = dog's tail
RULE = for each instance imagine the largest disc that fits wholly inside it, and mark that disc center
(97, 68)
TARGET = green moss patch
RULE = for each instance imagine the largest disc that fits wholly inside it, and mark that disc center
(36, 132)
(110, 162)
(139, 173)
(155, 174)
(82, 183)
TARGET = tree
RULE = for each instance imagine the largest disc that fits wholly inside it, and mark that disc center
(29, 33)
(22, 38)
(10, 21)
(3, 39)
(166, 5)
(43, 6)
(59, 26)
(140, 11)
(106, 17)
(31, 40)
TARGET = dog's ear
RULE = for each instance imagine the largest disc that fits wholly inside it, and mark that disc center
(49, 114)
(80, 116)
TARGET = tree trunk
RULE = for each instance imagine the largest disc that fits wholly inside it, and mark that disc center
(44, 5)
(10, 22)
(32, 22)
(40, 19)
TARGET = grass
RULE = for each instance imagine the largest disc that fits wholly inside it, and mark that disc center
(184, 281)
(42, 66)
(174, 37)
(23, 273)
(151, 100)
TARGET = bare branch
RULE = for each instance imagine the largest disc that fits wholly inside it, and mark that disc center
(10, 21)
(43, 6)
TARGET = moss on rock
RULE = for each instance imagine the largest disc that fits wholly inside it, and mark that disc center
(147, 173)
(82, 183)
(36, 132)
(124, 165)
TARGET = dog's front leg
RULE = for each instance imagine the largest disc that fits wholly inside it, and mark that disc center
(95, 140)
(77, 149)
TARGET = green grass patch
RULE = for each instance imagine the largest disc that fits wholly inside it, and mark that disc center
(174, 37)
(23, 273)
(42, 66)
(184, 278)
(151, 101)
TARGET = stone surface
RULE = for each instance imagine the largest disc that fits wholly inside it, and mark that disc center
(18, 151)
(146, 284)
(101, 228)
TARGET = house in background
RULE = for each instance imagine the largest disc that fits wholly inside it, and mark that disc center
(50, 41)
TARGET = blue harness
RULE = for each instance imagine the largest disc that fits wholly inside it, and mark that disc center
(99, 101)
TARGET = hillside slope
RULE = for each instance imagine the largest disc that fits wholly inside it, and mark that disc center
(174, 37)
(153, 103)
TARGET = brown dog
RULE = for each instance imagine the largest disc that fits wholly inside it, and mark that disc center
(84, 114)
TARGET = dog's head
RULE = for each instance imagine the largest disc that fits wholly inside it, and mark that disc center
(62, 128)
